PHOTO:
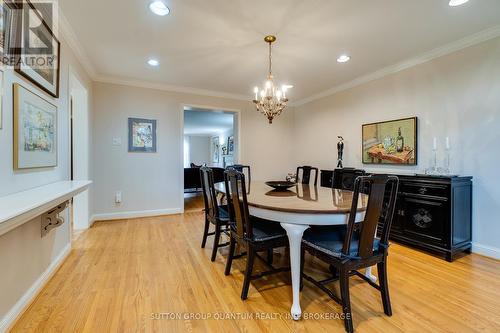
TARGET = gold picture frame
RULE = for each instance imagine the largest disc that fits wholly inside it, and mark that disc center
(35, 130)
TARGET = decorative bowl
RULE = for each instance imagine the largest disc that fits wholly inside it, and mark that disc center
(280, 185)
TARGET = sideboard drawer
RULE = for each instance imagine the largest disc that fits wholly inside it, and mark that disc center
(425, 189)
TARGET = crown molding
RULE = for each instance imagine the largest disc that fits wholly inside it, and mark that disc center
(71, 38)
(170, 88)
(458, 45)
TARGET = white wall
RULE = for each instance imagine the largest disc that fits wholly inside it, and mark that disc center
(199, 150)
(153, 183)
(25, 257)
(457, 95)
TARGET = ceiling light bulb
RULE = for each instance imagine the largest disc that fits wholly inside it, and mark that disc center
(343, 58)
(159, 8)
(454, 3)
(153, 62)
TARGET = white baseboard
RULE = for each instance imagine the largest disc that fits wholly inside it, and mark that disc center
(487, 251)
(10, 318)
(134, 214)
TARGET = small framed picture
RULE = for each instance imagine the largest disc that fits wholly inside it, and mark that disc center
(215, 149)
(1, 98)
(141, 135)
(230, 145)
(35, 130)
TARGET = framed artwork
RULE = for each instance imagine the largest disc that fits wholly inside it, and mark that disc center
(230, 145)
(35, 130)
(141, 135)
(5, 28)
(215, 149)
(37, 49)
(390, 142)
(1, 98)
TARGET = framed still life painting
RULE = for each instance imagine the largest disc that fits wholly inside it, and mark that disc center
(141, 135)
(390, 142)
(37, 49)
(35, 130)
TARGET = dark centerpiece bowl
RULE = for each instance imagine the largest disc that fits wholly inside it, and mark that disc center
(280, 185)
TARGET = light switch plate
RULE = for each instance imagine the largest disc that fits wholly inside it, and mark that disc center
(117, 141)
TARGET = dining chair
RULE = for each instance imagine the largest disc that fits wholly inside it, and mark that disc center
(356, 246)
(344, 178)
(250, 233)
(214, 213)
(305, 177)
(242, 168)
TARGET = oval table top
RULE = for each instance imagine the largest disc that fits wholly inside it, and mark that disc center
(301, 199)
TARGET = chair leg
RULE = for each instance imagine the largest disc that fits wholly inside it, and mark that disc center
(270, 256)
(216, 241)
(205, 233)
(232, 246)
(302, 259)
(346, 301)
(384, 287)
(248, 272)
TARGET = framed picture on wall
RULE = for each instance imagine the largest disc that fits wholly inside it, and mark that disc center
(390, 142)
(37, 49)
(1, 98)
(230, 145)
(5, 25)
(215, 149)
(35, 130)
(141, 135)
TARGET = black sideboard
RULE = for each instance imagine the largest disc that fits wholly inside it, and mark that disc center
(432, 212)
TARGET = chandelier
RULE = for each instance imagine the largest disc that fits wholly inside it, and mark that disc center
(270, 101)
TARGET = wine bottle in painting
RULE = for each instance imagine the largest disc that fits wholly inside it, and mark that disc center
(400, 142)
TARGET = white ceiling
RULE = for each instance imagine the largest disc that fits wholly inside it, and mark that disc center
(205, 122)
(217, 45)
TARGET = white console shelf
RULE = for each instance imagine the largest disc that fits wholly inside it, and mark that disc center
(19, 208)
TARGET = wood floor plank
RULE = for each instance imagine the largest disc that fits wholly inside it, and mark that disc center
(150, 275)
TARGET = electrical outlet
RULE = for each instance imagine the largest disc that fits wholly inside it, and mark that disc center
(117, 141)
(118, 197)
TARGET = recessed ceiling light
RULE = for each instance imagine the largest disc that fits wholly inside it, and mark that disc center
(153, 62)
(454, 3)
(343, 58)
(159, 8)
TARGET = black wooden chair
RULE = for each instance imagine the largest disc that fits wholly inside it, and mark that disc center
(214, 214)
(305, 177)
(242, 168)
(251, 233)
(354, 247)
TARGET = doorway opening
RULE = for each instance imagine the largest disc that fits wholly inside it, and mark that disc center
(79, 152)
(210, 138)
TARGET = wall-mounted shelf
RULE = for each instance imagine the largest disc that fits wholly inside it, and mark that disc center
(19, 208)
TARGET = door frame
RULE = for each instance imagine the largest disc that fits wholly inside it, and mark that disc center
(201, 108)
(75, 84)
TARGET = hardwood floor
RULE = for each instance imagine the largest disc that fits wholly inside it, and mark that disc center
(128, 275)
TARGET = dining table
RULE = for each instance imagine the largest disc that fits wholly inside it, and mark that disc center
(297, 209)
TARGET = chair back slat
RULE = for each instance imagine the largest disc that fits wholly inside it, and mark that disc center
(237, 202)
(379, 210)
(209, 196)
(305, 177)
